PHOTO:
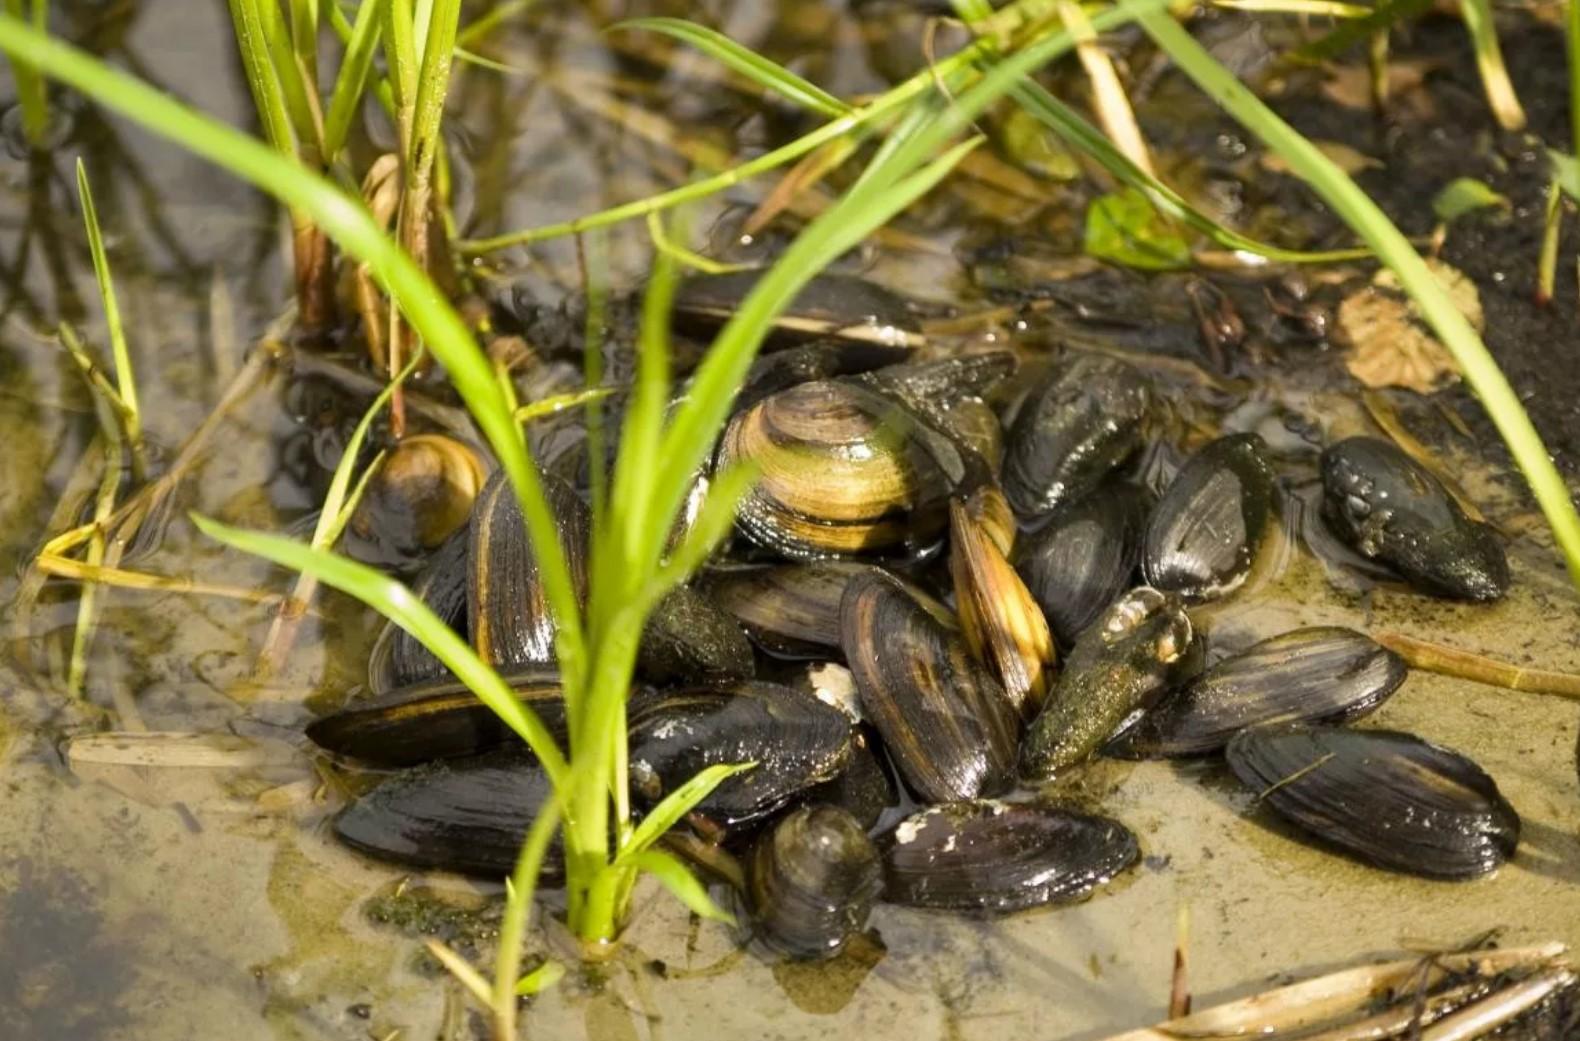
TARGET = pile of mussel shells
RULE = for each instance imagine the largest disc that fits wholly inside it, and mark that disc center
(951, 588)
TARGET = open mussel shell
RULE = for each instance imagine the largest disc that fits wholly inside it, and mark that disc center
(812, 881)
(841, 471)
(1392, 509)
(947, 723)
(1002, 624)
(998, 857)
(1319, 674)
(796, 741)
(438, 720)
(469, 816)
(508, 613)
(1386, 797)
(1084, 557)
(1205, 532)
(789, 610)
(398, 659)
(691, 639)
(1076, 426)
(1120, 667)
(829, 305)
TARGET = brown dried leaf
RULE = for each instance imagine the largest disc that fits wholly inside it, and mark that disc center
(1390, 345)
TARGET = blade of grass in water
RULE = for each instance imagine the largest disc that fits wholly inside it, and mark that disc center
(769, 75)
(352, 79)
(1391, 247)
(125, 376)
(1489, 60)
(30, 90)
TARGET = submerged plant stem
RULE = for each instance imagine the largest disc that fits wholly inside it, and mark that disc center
(1451, 661)
(1393, 249)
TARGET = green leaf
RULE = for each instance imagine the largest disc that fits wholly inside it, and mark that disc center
(540, 979)
(678, 879)
(1566, 171)
(767, 74)
(397, 603)
(352, 79)
(125, 378)
(335, 512)
(1465, 195)
(1125, 229)
(673, 807)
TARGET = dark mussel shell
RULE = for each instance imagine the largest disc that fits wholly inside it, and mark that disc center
(1084, 557)
(789, 610)
(508, 613)
(1322, 674)
(1392, 509)
(824, 359)
(812, 881)
(838, 306)
(948, 725)
(1075, 427)
(1388, 798)
(1000, 857)
(438, 720)
(398, 658)
(1118, 668)
(796, 741)
(1205, 532)
(468, 816)
(691, 639)
(866, 787)
(842, 470)
(947, 393)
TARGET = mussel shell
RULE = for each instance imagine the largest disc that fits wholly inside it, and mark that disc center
(468, 816)
(1077, 564)
(1392, 509)
(1324, 673)
(419, 497)
(948, 725)
(398, 659)
(690, 639)
(999, 857)
(789, 610)
(1386, 797)
(821, 360)
(1075, 427)
(436, 720)
(866, 787)
(508, 612)
(838, 306)
(842, 471)
(1205, 532)
(1118, 668)
(812, 881)
(796, 741)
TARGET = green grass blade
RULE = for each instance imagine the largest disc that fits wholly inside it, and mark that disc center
(397, 603)
(518, 907)
(1080, 134)
(31, 94)
(1354, 31)
(540, 979)
(125, 376)
(268, 97)
(327, 529)
(400, 56)
(1572, 40)
(346, 221)
(673, 807)
(767, 74)
(490, 20)
(433, 82)
(678, 879)
(293, 89)
(1391, 247)
(351, 81)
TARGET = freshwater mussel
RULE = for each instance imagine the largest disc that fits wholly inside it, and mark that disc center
(1204, 534)
(1386, 797)
(1084, 557)
(990, 856)
(1322, 673)
(812, 881)
(1120, 667)
(829, 306)
(950, 727)
(1391, 509)
(795, 739)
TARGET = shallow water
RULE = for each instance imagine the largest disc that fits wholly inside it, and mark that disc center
(152, 903)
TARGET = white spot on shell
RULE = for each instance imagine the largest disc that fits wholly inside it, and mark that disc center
(834, 685)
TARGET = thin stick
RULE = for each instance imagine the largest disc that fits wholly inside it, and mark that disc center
(1547, 259)
(1179, 988)
(1450, 661)
(1108, 94)
(1486, 1015)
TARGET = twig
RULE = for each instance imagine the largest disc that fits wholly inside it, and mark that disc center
(65, 567)
(1450, 661)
